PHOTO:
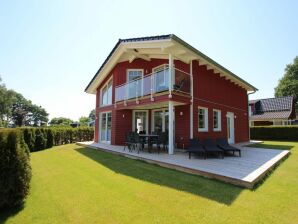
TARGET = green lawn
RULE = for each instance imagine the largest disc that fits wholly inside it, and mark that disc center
(72, 184)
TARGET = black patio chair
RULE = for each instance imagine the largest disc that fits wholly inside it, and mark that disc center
(226, 147)
(136, 142)
(129, 141)
(195, 147)
(211, 147)
(162, 141)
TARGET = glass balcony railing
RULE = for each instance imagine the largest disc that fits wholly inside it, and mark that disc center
(153, 83)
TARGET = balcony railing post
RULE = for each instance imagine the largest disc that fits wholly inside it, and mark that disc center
(136, 86)
(152, 86)
(171, 74)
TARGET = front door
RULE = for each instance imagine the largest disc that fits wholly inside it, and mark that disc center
(140, 121)
(105, 127)
(230, 128)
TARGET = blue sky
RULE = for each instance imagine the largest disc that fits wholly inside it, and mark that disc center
(50, 50)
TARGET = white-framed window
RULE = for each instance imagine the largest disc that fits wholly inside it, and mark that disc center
(106, 94)
(203, 119)
(216, 120)
(133, 74)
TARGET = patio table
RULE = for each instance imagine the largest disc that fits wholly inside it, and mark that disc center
(149, 137)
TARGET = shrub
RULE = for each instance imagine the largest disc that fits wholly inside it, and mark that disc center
(50, 138)
(40, 139)
(15, 170)
(289, 133)
(29, 137)
(43, 138)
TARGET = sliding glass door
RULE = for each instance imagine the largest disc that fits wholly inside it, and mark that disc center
(105, 127)
(160, 120)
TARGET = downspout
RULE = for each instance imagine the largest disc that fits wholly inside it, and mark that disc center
(248, 113)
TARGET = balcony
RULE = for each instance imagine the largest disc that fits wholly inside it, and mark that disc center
(154, 83)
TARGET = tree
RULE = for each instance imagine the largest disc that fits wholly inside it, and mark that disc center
(288, 84)
(61, 121)
(16, 110)
(6, 101)
(24, 112)
(83, 121)
(92, 115)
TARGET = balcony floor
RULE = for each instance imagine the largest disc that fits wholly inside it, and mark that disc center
(243, 171)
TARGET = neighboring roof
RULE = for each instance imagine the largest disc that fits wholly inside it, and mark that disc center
(252, 101)
(272, 108)
(271, 115)
(178, 40)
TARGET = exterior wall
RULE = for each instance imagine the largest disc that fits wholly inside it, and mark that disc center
(182, 130)
(210, 90)
(215, 92)
(121, 124)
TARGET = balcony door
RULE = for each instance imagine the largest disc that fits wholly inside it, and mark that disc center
(140, 121)
(135, 83)
(105, 124)
(161, 78)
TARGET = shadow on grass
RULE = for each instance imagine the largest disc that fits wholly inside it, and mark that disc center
(9, 212)
(207, 188)
(272, 146)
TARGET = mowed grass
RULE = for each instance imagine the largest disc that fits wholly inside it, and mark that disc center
(72, 184)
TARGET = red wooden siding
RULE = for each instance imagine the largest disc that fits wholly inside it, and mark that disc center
(182, 120)
(215, 92)
(210, 90)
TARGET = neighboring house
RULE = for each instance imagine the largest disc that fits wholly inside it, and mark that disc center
(91, 123)
(272, 111)
(161, 83)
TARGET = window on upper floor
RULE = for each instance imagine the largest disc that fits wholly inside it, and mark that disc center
(133, 74)
(203, 119)
(106, 94)
(216, 120)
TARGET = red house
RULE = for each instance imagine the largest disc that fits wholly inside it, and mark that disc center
(161, 83)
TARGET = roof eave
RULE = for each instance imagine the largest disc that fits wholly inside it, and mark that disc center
(92, 90)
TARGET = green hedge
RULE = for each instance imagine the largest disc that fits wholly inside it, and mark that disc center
(289, 133)
(43, 138)
(15, 169)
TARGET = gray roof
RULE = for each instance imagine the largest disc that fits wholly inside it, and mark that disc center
(272, 108)
(164, 37)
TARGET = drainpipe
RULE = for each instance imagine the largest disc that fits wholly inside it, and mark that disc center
(248, 113)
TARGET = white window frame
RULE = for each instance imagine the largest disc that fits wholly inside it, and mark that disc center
(218, 120)
(163, 110)
(133, 70)
(106, 85)
(205, 129)
(99, 127)
(147, 120)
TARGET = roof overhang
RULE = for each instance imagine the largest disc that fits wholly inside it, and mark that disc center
(160, 47)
